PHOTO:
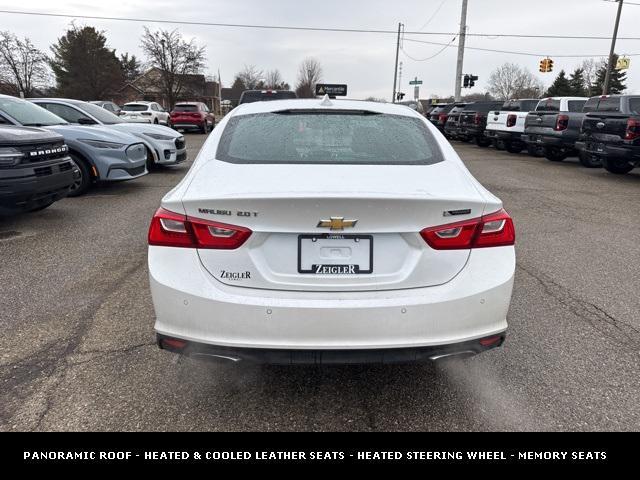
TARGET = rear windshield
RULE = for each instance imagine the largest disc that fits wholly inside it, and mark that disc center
(610, 104)
(590, 105)
(548, 106)
(520, 106)
(259, 96)
(634, 105)
(576, 105)
(135, 108)
(185, 108)
(348, 137)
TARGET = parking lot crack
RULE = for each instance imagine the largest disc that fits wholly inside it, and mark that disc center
(616, 330)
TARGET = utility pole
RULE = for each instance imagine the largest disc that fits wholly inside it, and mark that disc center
(607, 78)
(461, 39)
(395, 72)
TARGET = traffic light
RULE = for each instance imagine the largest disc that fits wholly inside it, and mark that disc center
(399, 96)
(472, 80)
(546, 65)
(543, 65)
(466, 81)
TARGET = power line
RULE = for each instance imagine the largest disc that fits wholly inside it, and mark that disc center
(311, 29)
(511, 52)
(432, 56)
(433, 16)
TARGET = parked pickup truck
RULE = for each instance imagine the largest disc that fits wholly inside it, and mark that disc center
(506, 125)
(438, 115)
(555, 126)
(452, 126)
(473, 121)
(35, 169)
(611, 131)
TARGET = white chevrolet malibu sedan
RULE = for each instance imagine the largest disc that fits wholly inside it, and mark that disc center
(329, 231)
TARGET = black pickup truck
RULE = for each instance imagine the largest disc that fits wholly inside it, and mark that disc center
(473, 121)
(35, 169)
(452, 125)
(611, 131)
(555, 126)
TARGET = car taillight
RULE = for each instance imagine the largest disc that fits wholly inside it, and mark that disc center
(633, 129)
(511, 120)
(477, 118)
(170, 229)
(442, 118)
(493, 230)
(562, 123)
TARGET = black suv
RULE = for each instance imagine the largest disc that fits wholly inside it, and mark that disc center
(35, 169)
(473, 121)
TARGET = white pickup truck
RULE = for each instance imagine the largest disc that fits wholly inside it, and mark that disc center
(505, 127)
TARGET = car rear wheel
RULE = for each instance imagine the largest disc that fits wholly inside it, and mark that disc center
(535, 151)
(482, 142)
(514, 147)
(155, 121)
(590, 160)
(616, 165)
(81, 184)
(555, 154)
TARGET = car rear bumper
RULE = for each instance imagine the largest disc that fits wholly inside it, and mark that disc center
(502, 135)
(545, 140)
(137, 120)
(328, 357)
(471, 131)
(184, 125)
(605, 150)
(192, 305)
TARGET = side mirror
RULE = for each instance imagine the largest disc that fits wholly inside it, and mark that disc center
(85, 121)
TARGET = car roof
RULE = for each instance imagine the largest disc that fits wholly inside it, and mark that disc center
(140, 102)
(324, 104)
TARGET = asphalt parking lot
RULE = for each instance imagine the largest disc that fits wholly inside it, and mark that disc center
(78, 349)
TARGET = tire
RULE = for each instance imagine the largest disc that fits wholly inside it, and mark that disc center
(150, 163)
(555, 154)
(155, 121)
(203, 128)
(589, 160)
(498, 144)
(483, 142)
(616, 165)
(534, 151)
(514, 147)
(81, 185)
(41, 207)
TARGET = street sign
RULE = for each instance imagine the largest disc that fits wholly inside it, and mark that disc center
(415, 82)
(331, 89)
(623, 63)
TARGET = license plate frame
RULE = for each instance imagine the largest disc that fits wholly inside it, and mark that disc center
(336, 236)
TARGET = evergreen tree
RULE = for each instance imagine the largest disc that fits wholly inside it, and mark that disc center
(131, 67)
(616, 82)
(577, 83)
(560, 86)
(85, 68)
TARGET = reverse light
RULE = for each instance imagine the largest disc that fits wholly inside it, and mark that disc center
(493, 230)
(633, 129)
(562, 123)
(170, 229)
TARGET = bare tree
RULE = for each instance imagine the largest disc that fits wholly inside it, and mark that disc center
(251, 77)
(274, 80)
(309, 73)
(590, 69)
(22, 65)
(512, 81)
(174, 57)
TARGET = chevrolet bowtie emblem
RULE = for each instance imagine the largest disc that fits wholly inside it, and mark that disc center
(337, 223)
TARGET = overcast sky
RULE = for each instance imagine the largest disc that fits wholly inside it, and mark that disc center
(362, 60)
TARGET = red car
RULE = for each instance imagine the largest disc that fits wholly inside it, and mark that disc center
(192, 115)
